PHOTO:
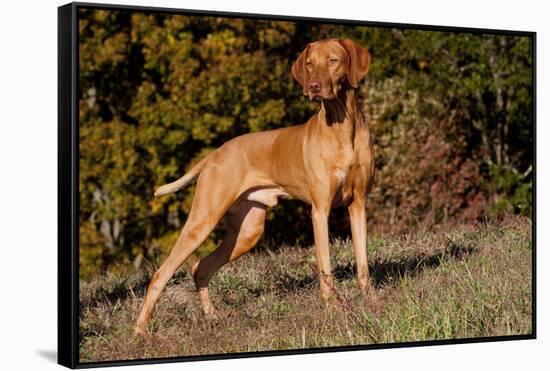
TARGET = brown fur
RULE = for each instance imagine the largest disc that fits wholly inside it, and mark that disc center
(327, 161)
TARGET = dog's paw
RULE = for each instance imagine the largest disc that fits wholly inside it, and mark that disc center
(141, 331)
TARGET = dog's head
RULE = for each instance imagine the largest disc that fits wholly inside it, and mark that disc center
(324, 67)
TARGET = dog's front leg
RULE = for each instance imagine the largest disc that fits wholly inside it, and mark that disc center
(358, 221)
(320, 231)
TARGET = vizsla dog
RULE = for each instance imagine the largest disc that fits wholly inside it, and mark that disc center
(326, 162)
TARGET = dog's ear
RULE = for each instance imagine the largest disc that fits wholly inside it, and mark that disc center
(299, 69)
(358, 62)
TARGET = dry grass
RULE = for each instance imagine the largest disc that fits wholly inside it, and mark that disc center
(433, 283)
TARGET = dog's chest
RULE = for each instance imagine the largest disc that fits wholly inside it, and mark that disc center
(348, 172)
(342, 174)
(342, 167)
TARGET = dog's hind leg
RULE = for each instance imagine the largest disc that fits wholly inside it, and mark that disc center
(245, 224)
(210, 203)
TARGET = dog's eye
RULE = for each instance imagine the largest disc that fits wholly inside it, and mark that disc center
(308, 63)
(333, 61)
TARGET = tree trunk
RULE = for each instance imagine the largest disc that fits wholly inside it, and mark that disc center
(499, 46)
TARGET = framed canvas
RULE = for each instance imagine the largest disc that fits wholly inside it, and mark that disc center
(378, 180)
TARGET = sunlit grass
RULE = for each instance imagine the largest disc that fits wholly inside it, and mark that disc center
(433, 283)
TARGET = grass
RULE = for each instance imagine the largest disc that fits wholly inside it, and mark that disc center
(436, 282)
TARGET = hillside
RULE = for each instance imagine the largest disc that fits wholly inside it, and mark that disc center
(435, 282)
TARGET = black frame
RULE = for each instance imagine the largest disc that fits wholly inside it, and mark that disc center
(68, 175)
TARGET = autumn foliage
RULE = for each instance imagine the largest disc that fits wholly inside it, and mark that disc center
(451, 115)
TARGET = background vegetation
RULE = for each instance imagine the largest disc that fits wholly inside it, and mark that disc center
(450, 113)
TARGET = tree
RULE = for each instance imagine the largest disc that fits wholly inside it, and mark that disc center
(451, 114)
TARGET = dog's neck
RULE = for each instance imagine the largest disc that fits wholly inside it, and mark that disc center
(340, 110)
(341, 116)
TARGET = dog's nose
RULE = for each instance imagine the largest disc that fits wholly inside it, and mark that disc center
(315, 86)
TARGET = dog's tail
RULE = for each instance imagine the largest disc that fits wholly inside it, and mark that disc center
(185, 180)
